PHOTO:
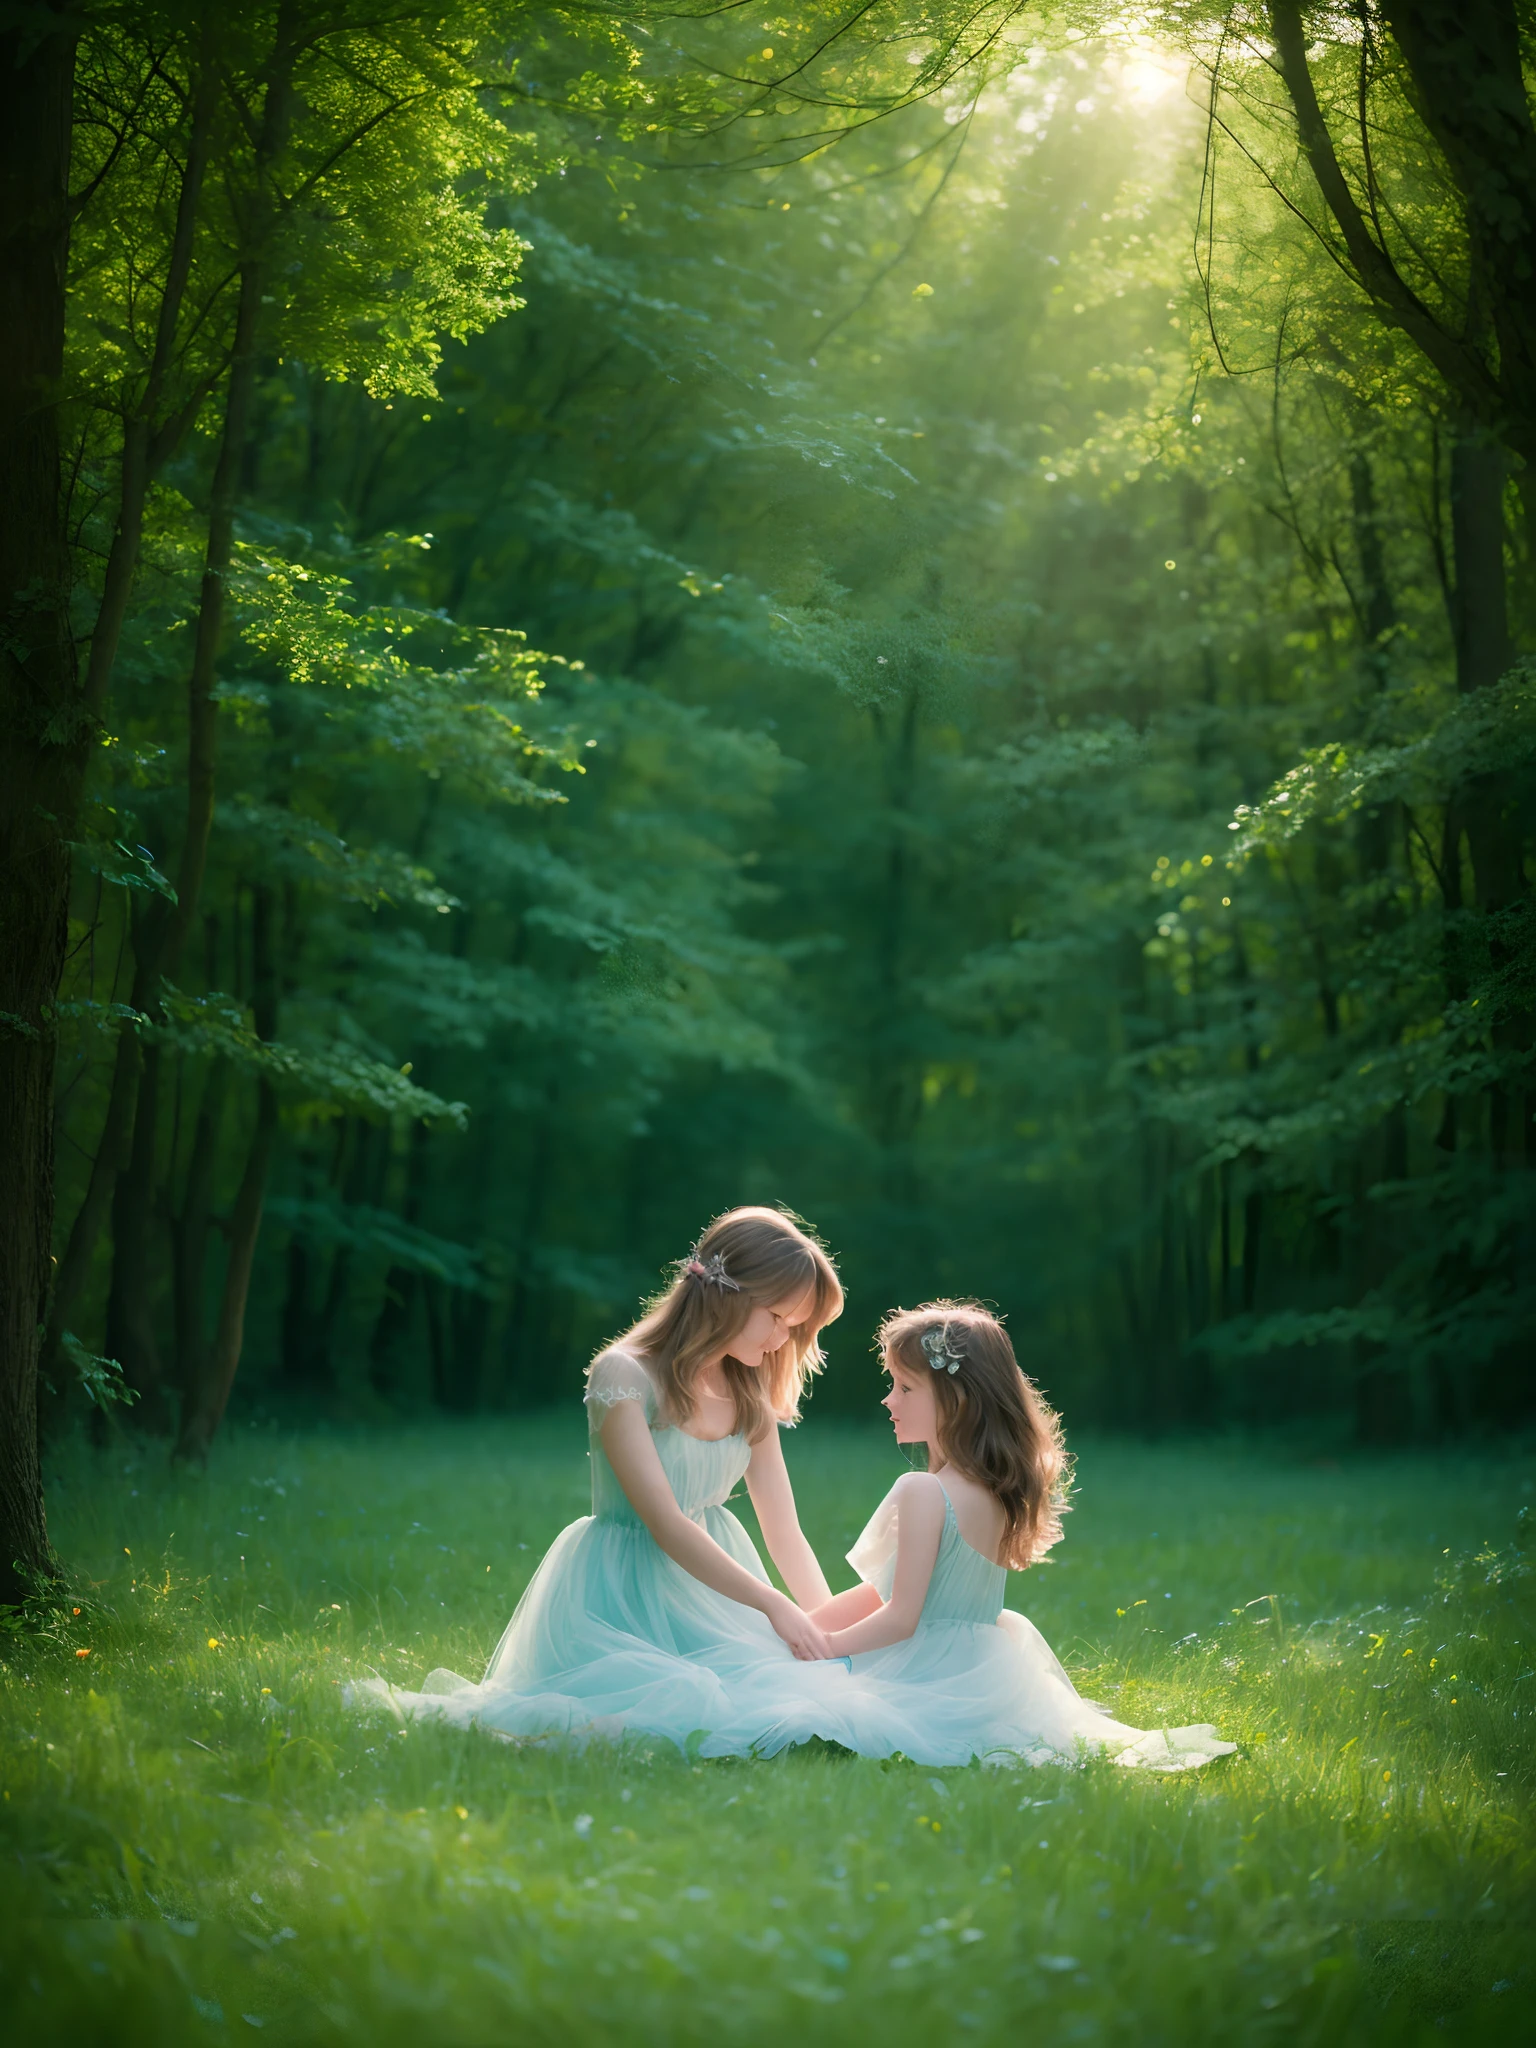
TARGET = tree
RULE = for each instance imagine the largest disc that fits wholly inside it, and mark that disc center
(45, 731)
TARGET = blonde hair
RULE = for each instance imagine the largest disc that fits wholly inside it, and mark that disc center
(767, 1256)
(993, 1424)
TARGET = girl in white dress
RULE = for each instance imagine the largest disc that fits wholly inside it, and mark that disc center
(941, 1672)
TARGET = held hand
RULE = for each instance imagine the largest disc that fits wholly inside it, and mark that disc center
(797, 1629)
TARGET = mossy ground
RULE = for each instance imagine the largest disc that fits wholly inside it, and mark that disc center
(200, 1839)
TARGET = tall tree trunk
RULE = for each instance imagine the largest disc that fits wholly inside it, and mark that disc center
(1489, 804)
(1469, 84)
(520, 1373)
(45, 733)
(401, 1283)
(208, 1396)
(108, 1161)
(1378, 617)
(1480, 615)
(193, 1228)
(1453, 939)
(131, 1336)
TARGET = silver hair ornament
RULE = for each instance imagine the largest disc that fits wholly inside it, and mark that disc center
(942, 1355)
(711, 1271)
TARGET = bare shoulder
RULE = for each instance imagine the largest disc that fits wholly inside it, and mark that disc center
(919, 1490)
(978, 1512)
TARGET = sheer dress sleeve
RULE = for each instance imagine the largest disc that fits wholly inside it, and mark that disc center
(873, 1557)
(618, 1376)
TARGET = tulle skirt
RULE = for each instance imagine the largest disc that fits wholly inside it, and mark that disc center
(613, 1640)
(997, 1691)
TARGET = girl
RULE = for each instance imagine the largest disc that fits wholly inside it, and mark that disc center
(952, 1675)
(654, 1613)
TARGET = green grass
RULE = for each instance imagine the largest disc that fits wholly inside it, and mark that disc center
(197, 1831)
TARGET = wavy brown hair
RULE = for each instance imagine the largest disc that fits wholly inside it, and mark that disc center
(993, 1423)
(773, 1256)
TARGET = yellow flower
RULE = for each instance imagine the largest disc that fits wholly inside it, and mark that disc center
(213, 1642)
(462, 1812)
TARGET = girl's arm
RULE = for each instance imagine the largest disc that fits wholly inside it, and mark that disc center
(844, 1609)
(919, 1528)
(774, 1499)
(626, 1440)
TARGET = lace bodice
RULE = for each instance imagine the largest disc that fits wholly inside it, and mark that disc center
(701, 1474)
(965, 1585)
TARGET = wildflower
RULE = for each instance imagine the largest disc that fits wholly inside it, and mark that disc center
(213, 1642)
(583, 1825)
(74, 1610)
(462, 1812)
(82, 1653)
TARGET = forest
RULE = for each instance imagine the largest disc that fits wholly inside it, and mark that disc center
(915, 614)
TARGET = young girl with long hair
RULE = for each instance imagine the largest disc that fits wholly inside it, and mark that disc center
(654, 1613)
(941, 1672)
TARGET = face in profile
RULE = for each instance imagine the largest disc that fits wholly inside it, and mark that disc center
(910, 1403)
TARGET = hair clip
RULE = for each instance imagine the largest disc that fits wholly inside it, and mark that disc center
(942, 1355)
(711, 1271)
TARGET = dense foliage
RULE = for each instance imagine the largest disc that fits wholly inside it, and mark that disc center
(1028, 764)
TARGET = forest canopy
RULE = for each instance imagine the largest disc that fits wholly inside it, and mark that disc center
(914, 613)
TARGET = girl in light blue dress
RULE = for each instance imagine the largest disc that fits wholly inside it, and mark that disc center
(940, 1671)
(654, 1615)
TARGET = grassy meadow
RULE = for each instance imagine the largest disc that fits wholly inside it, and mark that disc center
(201, 1840)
